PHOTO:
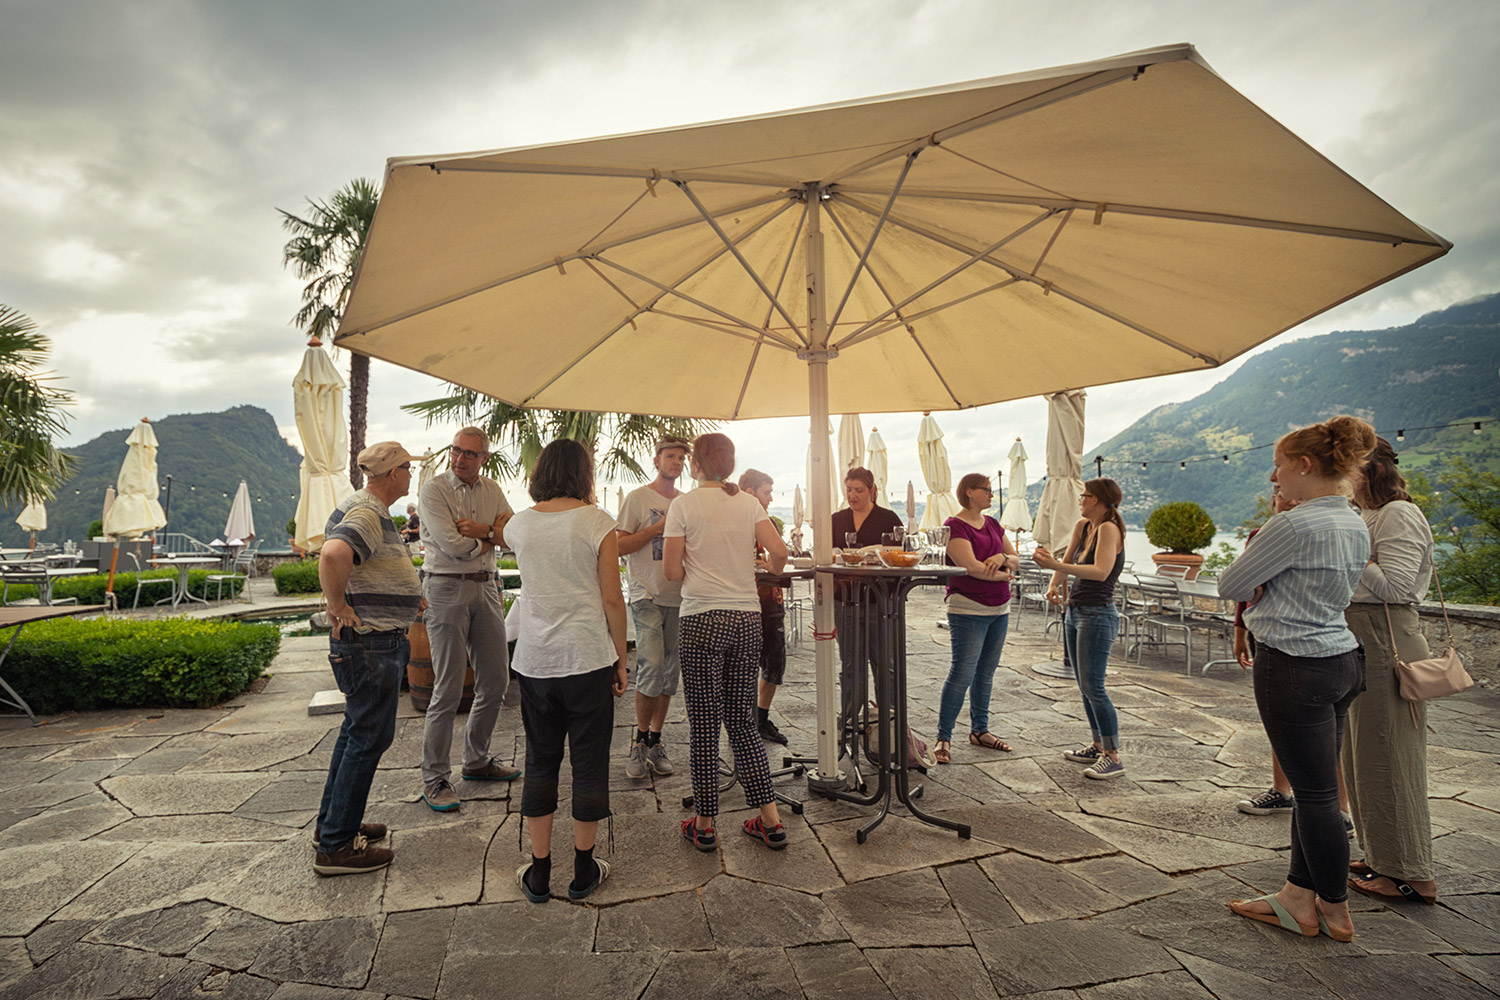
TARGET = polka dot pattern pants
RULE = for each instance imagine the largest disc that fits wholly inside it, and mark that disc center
(719, 652)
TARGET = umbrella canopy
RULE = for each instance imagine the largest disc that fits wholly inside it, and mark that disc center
(318, 401)
(1016, 516)
(879, 465)
(135, 510)
(1058, 510)
(851, 443)
(1135, 215)
(911, 506)
(33, 516)
(941, 504)
(619, 501)
(240, 528)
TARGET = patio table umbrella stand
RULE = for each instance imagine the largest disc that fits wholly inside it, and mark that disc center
(33, 518)
(1112, 220)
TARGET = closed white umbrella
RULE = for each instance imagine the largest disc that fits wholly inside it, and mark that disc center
(879, 465)
(318, 401)
(851, 443)
(109, 502)
(619, 501)
(798, 513)
(425, 472)
(834, 477)
(240, 528)
(136, 509)
(33, 518)
(1016, 516)
(911, 506)
(1058, 510)
(1134, 215)
(941, 503)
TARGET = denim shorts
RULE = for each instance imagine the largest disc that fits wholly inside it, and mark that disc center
(656, 632)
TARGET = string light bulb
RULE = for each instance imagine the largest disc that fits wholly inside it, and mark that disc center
(1401, 435)
(1226, 459)
(1143, 465)
(1182, 465)
(1476, 427)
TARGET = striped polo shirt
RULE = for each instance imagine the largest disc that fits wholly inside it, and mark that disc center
(383, 589)
(1310, 559)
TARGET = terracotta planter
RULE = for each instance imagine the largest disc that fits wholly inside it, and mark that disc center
(1192, 560)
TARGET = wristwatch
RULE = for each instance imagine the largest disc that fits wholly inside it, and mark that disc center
(489, 535)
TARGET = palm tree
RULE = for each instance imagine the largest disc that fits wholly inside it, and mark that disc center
(524, 433)
(31, 414)
(325, 249)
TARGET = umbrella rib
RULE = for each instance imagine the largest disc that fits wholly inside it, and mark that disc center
(791, 253)
(1051, 240)
(1051, 287)
(1152, 211)
(730, 330)
(936, 372)
(592, 170)
(588, 250)
(669, 290)
(912, 318)
(735, 250)
(973, 258)
(1062, 92)
(864, 256)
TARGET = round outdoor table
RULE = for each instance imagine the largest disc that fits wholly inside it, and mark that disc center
(183, 564)
(887, 589)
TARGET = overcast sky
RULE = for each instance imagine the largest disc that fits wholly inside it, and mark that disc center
(148, 144)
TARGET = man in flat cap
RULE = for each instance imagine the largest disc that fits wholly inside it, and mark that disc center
(373, 595)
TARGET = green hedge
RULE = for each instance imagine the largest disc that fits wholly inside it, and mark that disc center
(297, 578)
(119, 662)
(91, 589)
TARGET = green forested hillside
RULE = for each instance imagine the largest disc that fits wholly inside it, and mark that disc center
(1440, 369)
(206, 454)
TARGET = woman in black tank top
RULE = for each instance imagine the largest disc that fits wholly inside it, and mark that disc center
(1094, 557)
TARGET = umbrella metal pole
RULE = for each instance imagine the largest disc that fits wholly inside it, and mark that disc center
(827, 774)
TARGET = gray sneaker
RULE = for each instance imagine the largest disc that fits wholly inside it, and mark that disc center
(440, 796)
(635, 764)
(1104, 769)
(657, 757)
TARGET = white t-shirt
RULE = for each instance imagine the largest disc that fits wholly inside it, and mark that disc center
(563, 630)
(719, 530)
(643, 508)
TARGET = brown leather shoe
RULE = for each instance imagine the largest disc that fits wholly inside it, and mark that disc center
(356, 858)
(370, 831)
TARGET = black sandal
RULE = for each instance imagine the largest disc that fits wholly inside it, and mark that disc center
(1363, 883)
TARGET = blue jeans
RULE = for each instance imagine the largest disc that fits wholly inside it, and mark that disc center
(1089, 634)
(977, 642)
(368, 672)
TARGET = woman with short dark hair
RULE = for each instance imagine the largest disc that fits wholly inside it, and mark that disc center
(570, 657)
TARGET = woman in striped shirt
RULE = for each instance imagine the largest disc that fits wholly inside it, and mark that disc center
(1298, 575)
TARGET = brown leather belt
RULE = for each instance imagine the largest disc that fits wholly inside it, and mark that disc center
(480, 577)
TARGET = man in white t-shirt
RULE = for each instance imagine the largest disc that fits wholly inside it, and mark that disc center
(654, 602)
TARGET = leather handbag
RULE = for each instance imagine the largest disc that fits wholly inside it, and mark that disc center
(1435, 677)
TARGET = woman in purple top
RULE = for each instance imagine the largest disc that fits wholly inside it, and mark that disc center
(978, 613)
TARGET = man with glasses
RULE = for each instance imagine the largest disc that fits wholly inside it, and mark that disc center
(654, 601)
(462, 514)
(373, 595)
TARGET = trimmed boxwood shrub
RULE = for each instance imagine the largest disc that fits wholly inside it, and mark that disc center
(119, 662)
(297, 578)
(91, 589)
(1180, 527)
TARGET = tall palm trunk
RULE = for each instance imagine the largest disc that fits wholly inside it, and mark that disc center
(359, 401)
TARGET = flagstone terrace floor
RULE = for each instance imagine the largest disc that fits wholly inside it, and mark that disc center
(167, 854)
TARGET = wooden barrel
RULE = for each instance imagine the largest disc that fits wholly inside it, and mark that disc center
(419, 675)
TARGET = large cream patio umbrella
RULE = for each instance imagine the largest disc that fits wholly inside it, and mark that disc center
(880, 465)
(239, 528)
(135, 510)
(933, 454)
(1016, 516)
(1057, 511)
(798, 513)
(318, 402)
(1108, 221)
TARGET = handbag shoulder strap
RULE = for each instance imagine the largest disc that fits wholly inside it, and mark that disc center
(1448, 624)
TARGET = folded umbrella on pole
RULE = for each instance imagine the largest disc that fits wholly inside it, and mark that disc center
(911, 506)
(941, 503)
(318, 402)
(1016, 516)
(135, 509)
(241, 524)
(33, 518)
(1057, 511)
(851, 443)
(879, 465)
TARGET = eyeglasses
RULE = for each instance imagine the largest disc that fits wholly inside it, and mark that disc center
(983, 489)
(458, 452)
(404, 467)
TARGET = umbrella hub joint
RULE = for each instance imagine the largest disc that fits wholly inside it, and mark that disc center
(825, 355)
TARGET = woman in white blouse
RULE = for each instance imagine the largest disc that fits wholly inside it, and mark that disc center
(1385, 744)
(570, 657)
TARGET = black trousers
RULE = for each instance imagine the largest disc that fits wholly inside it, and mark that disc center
(581, 709)
(1304, 702)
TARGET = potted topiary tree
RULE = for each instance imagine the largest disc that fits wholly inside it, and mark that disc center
(1181, 528)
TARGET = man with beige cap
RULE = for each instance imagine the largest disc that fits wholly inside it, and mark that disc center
(373, 595)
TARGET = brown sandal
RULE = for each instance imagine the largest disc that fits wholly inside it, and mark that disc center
(989, 741)
(940, 752)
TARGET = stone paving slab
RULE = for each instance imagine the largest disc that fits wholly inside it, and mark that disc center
(411, 952)
(731, 974)
(1064, 954)
(1039, 892)
(280, 886)
(169, 795)
(929, 973)
(162, 875)
(668, 923)
(908, 909)
(745, 914)
(95, 972)
(37, 879)
(440, 865)
(835, 972)
(335, 952)
(1168, 850)
(76, 819)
